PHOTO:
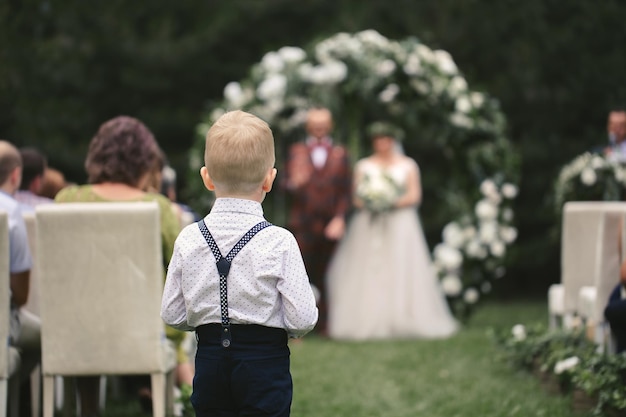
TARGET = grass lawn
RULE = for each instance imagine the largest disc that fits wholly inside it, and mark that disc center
(461, 376)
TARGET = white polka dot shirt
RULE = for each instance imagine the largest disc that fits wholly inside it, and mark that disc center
(267, 284)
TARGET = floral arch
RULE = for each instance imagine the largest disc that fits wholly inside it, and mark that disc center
(457, 135)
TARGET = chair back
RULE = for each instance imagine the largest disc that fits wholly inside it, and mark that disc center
(5, 297)
(101, 279)
(32, 304)
(579, 239)
(590, 250)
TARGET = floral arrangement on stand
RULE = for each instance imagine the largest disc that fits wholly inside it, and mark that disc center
(590, 177)
(365, 77)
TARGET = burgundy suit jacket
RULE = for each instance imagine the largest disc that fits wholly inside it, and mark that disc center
(326, 194)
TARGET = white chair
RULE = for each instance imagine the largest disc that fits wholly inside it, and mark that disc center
(101, 279)
(9, 356)
(589, 251)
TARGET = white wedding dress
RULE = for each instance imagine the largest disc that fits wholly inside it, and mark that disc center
(381, 282)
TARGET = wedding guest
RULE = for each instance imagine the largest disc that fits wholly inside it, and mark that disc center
(242, 361)
(119, 160)
(25, 327)
(317, 180)
(381, 282)
(53, 182)
(34, 166)
(615, 310)
(616, 128)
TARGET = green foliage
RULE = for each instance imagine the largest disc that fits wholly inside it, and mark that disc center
(185, 399)
(571, 358)
(556, 68)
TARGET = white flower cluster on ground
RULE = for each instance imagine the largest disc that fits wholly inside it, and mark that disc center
(365, 77)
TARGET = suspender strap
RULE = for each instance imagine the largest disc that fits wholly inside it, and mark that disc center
(223, 267)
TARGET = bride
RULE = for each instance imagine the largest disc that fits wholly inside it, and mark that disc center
(381, 282)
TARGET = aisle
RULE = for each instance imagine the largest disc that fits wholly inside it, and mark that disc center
(455, 377)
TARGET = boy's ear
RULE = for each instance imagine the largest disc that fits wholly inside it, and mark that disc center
(269, 180)
(206, 179)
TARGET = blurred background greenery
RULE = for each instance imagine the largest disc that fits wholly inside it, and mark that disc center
(557, 68)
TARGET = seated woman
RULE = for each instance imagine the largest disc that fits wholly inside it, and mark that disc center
(120, 158)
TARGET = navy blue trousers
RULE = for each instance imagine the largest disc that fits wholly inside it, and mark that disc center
(249, 378)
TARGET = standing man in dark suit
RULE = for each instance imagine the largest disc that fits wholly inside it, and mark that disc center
(318, 180)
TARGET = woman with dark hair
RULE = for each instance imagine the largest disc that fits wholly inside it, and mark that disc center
(119, 163)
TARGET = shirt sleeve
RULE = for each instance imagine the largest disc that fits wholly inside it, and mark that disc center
(300, 311)
(173, 309)
(19, 251)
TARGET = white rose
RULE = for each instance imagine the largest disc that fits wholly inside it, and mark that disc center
(451, 285)
(566, 364)
(486, 210)
(292, 54)
(497, 248)
(461, 120)
(471, 295)
(475, 249)
(508, 234)
(463, 105)
(453, 235)
(509, 190)
(445, 62)
(385, 68)
(272, 62)
(449, 257)
(519, 332)
(457, 86)
(488, 231)
(234, 94)
(413, 65)
(389, 93)
(478, 99)
(488, 187)
(588, 176)
(272, 87)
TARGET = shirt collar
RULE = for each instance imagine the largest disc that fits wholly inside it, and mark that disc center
(240, 205)
(325, 141)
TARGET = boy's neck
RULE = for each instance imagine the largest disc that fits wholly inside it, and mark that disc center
(258, 197)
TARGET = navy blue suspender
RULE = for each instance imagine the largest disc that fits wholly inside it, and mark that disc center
(223, 267)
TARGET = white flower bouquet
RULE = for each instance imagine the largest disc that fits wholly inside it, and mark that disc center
(590, 177)
(379, 192)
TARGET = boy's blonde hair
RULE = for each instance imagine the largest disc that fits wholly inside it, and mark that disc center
(239, 151)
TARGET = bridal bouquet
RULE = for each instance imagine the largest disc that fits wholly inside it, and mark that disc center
(378, 192)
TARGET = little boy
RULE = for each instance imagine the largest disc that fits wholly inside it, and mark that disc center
(245, 304)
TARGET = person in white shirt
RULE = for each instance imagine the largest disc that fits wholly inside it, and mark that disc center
(242, 307)
(25, 331)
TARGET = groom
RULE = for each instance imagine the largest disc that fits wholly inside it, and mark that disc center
(318, 182)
